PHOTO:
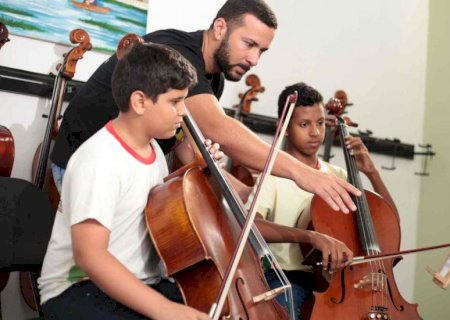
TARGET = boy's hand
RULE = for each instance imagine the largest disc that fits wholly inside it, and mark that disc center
(335, 254)
(361, 154)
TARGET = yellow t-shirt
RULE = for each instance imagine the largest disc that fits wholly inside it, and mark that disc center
(284, 203)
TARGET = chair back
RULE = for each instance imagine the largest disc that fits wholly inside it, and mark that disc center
(26, 221)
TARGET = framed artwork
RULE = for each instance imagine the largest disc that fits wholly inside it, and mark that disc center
(106, 21)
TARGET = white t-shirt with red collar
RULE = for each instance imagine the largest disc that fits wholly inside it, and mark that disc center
(107, 181)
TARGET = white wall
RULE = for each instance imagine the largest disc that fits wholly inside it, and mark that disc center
(374, 50)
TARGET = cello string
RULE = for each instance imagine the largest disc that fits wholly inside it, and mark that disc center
(365, 223)
(352, 177)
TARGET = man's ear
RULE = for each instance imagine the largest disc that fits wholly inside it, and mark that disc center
(137, 102)
(220, 28)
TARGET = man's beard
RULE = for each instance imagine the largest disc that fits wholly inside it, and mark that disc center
(222, 58)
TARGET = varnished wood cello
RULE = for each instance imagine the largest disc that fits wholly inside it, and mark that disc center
(365, 291)
(236, 169)
(42, 177)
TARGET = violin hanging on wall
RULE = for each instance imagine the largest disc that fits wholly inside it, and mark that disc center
(236, 169)
(42, 177)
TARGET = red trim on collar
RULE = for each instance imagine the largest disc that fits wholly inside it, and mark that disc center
(145, 160)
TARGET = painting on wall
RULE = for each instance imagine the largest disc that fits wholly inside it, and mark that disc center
(106, 21)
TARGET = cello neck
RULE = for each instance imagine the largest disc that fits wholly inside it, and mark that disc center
(230, 196)
(329, 137)
(65, 71)
(369, 241)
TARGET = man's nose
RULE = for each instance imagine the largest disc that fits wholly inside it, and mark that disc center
(253, 57)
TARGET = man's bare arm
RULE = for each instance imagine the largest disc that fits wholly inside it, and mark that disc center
(241, 144)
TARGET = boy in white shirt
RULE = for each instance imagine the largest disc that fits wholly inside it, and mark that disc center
(100, 262)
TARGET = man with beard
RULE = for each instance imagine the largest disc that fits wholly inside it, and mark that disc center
(238, 35)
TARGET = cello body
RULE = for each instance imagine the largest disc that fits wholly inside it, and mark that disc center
(342, 300)
(198, 254)
(7, 151)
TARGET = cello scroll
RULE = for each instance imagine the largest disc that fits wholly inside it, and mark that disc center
(76, 36)
(249, 96)
(127, 42)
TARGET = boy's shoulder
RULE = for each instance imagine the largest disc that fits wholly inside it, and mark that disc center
(96, 148)
(333, 169)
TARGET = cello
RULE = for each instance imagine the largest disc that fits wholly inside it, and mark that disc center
(240, 172)
(363, 291)
(190, 203)
(41, 173)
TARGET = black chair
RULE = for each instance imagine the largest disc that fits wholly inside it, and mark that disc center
(26, 220)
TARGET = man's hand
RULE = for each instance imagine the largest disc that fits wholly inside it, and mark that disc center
(185, 152)
(335, 254)
(333, 190)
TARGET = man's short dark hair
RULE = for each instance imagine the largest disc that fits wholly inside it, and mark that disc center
(307, 96)
(152, 68)
(233, 10)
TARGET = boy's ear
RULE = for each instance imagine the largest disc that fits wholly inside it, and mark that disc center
(137, 102)
(220, 28)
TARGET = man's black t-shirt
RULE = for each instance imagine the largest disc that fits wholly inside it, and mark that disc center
(93, 106)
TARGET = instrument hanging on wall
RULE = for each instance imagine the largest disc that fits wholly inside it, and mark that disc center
(363, 291)
(42, 177)
(236, 169)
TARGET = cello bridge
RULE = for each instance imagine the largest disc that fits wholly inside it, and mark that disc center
(372, 282)
(378, 313)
